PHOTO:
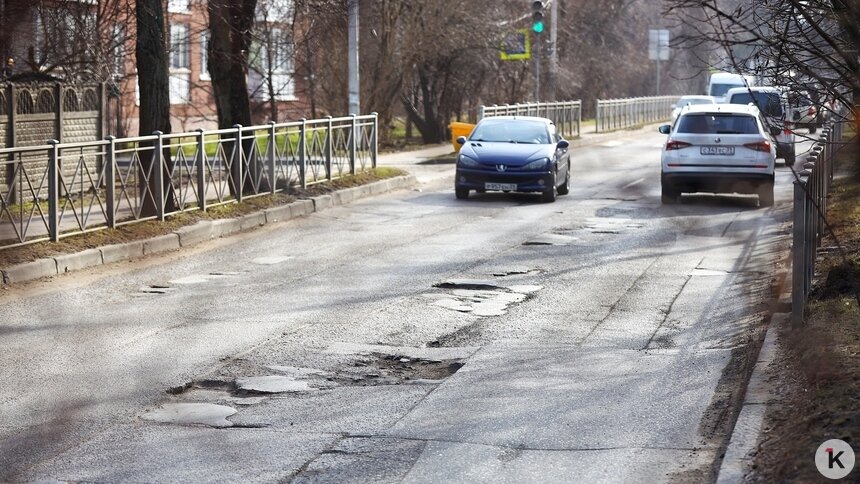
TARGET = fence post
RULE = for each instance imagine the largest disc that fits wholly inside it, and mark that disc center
(352, 144)
(328, 148)
(374, 140)
(579, 119)
(798, 249)
(200, 169)
(480, 112)
(158, 175)
(597, 116)
(303, 154)
(53, 192)
(236, 165)
(110, 180)
(273, 148)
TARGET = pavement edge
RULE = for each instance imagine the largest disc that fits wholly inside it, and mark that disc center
(197, 233)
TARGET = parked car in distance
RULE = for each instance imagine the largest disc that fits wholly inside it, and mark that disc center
(771, 103)
(513, 154)
(803, 110)
(722, 148)
(689, 101)
(720, 82)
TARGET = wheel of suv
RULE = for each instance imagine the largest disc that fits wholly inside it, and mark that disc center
(765, 195)
(564, 188)
(790, 157)
(669, 194)
(462, 193)
(812, 129)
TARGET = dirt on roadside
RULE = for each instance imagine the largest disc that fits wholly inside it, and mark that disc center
(817, 371)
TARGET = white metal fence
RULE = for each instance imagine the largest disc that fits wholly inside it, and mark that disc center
(567, 115)
(60, 189)
(811, 189)
(612, 114)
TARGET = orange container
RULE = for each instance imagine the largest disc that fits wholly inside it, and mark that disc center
(457, 130)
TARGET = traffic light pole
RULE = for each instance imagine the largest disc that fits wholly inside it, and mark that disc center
(537, 50)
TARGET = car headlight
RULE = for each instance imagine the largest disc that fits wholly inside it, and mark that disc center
(464, 160)
(541, 164)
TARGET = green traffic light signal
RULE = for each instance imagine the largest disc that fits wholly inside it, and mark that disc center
(537, 27)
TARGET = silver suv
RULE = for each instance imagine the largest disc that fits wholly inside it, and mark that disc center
(771, 103)
(719, 148)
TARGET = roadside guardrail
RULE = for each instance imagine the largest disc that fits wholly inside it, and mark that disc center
(811, 187)
(567, 115)
(612, 114)
(51, 191)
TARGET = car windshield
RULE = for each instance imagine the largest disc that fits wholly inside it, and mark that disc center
(720, 89)
(511, 131)
(767, 102)
(717, 124)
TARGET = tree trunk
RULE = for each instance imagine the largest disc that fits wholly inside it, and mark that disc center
(230, 24)
(153, 79)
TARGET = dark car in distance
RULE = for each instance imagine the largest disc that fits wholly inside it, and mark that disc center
(513, 154)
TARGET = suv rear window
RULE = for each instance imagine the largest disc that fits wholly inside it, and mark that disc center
(717, 124)
(768, 102)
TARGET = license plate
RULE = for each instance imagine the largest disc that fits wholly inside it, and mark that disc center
(511, 187)
(718, 150)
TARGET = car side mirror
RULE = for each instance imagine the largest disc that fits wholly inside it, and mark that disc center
(665, 129)
(562, 144)
(775, 130)
(461, 140)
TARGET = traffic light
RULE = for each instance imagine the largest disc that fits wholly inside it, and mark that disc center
(537, 16)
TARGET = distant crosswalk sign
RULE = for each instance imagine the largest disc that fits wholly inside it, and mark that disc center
(516, 45)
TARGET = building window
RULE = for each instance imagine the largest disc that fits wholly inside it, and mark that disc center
(178, 6)
(204, 56)
(180, 62)
(118, 41)
(179, 47)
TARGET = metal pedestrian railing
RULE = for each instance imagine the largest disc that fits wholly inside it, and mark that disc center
(811, 188)
(612, 114)
(60, 189)
(567, 115)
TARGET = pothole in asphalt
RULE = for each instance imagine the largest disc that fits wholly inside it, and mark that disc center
(514, 271)
(479, 297)
(204, 414)
(386, 369)
(552, 239)
(156, 289)
(610, 225)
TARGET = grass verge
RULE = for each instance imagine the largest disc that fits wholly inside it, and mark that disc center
(153, 228)
(819, 364)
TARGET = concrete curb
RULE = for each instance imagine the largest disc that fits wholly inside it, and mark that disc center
(738, 457)
(194, 234)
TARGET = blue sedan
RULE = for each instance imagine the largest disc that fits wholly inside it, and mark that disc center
(513, 154)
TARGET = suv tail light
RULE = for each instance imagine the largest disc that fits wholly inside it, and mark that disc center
(788, 127)
(811, 111)
(763, 146)
(676, 145)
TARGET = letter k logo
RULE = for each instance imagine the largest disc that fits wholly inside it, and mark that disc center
(834, 459)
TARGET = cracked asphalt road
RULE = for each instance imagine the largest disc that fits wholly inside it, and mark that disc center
(622, 362)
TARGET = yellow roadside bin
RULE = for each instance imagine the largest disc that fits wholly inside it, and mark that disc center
(457, 130)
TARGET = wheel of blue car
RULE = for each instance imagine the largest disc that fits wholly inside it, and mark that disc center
(462, 193)
(548, 195)
(564, 188)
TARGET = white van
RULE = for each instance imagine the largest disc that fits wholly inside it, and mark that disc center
(723, 81)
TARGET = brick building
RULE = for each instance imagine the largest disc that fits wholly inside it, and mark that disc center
(94, 40)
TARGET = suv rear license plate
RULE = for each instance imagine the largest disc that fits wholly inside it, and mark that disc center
(511, 187)
(718, 150)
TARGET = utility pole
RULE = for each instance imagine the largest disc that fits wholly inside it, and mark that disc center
(553, 55)
(354, 86)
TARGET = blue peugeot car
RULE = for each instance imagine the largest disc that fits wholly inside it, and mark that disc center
(513, 154)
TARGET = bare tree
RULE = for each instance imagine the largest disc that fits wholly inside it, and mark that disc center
(804, 45)
(153, 79)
